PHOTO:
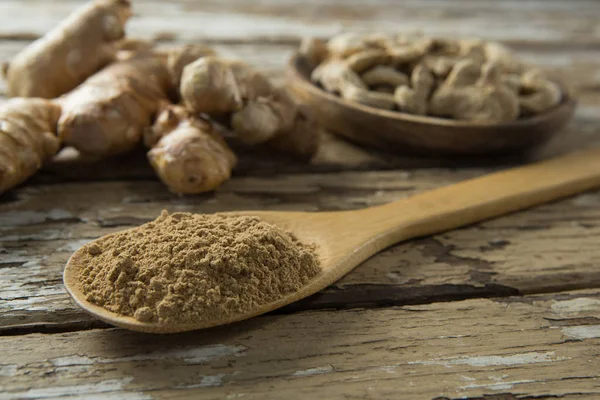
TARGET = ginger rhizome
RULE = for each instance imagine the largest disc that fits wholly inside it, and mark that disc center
(87, 86)
(27, 138)
(68, 54)
(108, 113)
(187, 153)
(258, 112)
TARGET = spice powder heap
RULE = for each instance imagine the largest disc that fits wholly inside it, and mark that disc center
(185, 268)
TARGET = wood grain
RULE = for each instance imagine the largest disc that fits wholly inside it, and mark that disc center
(521, 346)
(272, 20)
(517, 253)
(360, 353)
(345, 239)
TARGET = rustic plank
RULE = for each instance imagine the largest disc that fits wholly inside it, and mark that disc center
(541, 346)
(240, 20)
(522, 347)
(392, 279)
(549, 248)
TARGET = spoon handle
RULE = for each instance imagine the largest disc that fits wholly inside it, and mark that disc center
(482, 198)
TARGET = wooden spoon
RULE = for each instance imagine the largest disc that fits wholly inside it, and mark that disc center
(402, 132)
(347, 238)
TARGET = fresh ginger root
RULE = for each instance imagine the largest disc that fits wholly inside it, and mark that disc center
(67, 55)
(27, 138)
(257, 112)
(107, 114)
(111, 111)
(188, 155)
(109, 91)
(178, 58)
(209, 86)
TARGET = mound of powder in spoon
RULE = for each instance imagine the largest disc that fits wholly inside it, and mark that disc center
(185, 268)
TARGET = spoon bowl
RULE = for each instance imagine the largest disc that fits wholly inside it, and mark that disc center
(397, 131)
(344, 239)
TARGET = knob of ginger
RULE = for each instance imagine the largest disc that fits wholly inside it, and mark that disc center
(68, 54)
(188, 155)
(258, 112)
(209, 86)
(108, 113)
(27, 138)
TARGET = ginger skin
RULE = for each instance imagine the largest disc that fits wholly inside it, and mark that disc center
(27, 138)
(107, 114)
(489, 100)
(111, 111)
(209, 86)
(188, 155)
(256, 111)
(71, 52)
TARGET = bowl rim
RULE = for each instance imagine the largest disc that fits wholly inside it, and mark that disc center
(567, 102)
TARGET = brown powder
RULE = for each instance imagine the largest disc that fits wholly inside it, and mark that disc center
(186, 267)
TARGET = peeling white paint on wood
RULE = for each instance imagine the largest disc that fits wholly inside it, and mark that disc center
(497, 386)
(576, 306)
(189, 355)
(206, 381)
(121, 395)
(73, 245)
(107, 386)
(29, 217)
(314, 371)
(8, 370)
(34, 290)
(10, 256)
(46, 234)
(356, 349)
(488, 361)
(582, 331)
(586, 199)
(236, 395)
(452, 336)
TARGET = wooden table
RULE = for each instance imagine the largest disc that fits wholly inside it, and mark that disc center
(505, 309)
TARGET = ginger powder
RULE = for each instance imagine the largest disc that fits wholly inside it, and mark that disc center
(184, 268)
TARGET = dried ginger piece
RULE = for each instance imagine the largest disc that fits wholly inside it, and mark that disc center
(366, 68)
(539, 93)
(489, 99)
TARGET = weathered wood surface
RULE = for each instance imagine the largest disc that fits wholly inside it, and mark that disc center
(434, 345)
(545, 21)
(549, 248)
(535, 346)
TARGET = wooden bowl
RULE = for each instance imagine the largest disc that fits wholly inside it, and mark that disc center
(397, 131)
